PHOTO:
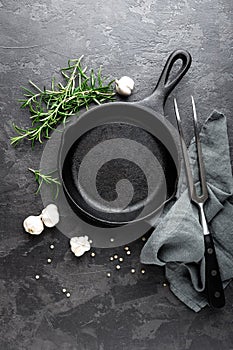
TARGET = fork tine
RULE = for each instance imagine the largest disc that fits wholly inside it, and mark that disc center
(201, 168)
(191, 187)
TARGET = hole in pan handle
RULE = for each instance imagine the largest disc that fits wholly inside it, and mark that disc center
(164, 87)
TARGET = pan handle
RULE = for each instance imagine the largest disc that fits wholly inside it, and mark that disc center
(164, 87)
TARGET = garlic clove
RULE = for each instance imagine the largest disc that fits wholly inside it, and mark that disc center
(50, 215)
(124, 86)
(33, 225)
(80, 245)
(78, 251)
(127, 81)
(123, 90)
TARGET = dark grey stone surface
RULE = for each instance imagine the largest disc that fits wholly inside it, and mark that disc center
(127, 311)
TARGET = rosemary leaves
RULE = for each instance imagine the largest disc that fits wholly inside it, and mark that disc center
(47, 179)
(49, 107)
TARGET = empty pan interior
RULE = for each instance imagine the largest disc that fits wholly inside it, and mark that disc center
(117, 172)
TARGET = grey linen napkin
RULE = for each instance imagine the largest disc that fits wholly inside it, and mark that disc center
(177, 241)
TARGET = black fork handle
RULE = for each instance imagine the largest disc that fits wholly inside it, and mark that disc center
(214, 285)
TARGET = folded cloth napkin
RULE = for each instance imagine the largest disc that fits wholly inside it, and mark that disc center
(177, 241)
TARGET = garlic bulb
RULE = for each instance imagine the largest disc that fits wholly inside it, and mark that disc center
(79, 245)
(33, 225)
(50, 215)
(124, 86)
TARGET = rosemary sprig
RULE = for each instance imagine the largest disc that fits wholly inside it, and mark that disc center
(46, 178)
(49, 107)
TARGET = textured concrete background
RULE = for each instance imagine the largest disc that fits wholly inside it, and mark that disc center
(128, 312)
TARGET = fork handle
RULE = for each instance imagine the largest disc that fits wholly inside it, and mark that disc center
(214, 285)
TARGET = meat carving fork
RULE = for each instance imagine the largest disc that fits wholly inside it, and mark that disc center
(214, 287)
